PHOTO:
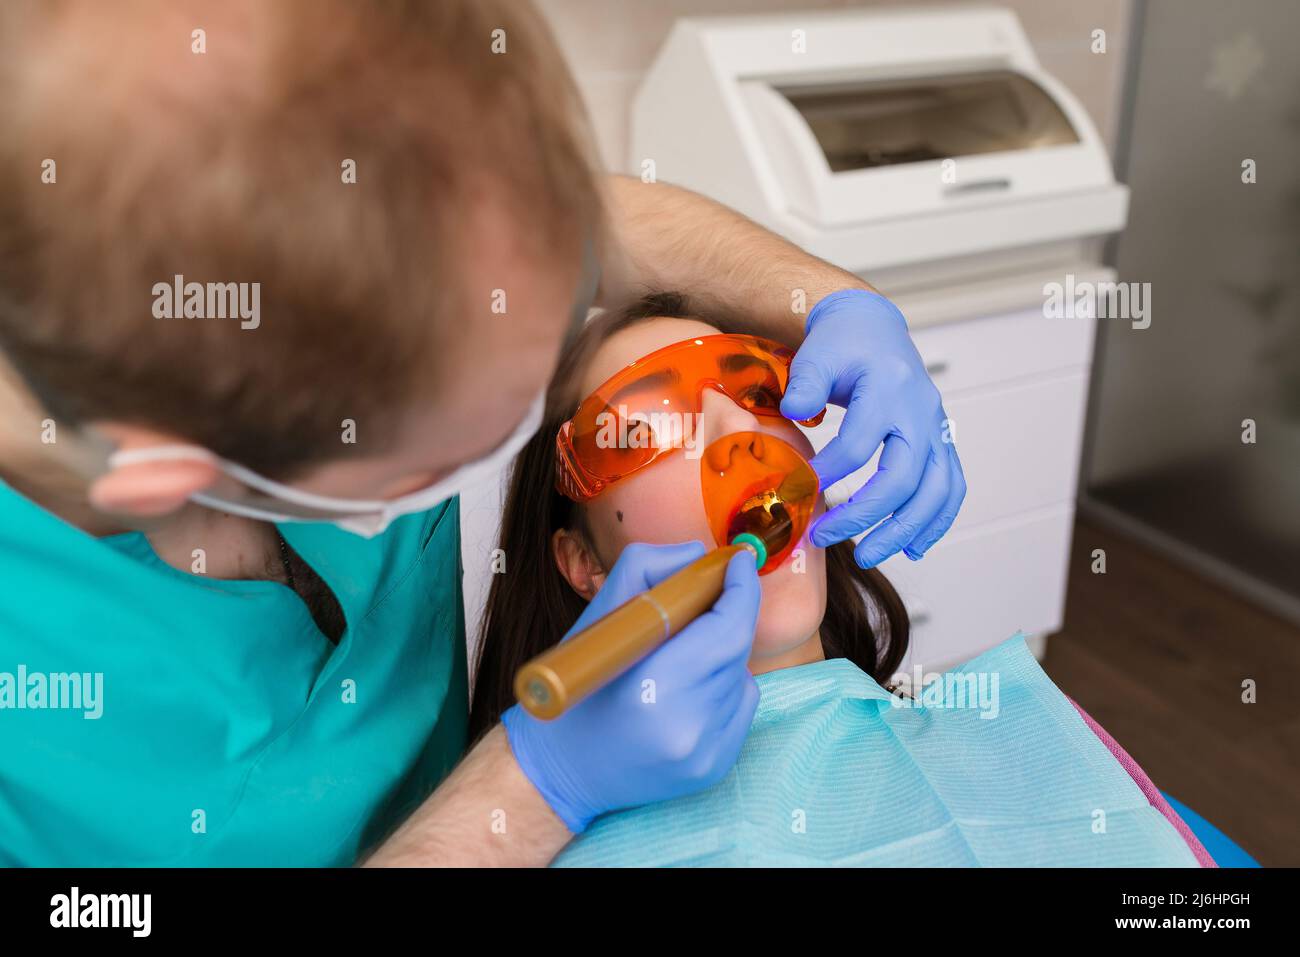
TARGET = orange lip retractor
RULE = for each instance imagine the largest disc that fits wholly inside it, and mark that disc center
(759, 494)
(757, 488)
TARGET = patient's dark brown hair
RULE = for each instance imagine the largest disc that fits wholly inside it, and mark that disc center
(531, 606)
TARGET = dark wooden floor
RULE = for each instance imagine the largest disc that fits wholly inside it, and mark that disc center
(1157, 655)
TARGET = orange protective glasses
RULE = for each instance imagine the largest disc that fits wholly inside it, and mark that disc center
(652, 406)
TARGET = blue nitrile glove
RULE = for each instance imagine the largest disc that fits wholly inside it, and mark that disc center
(630, 744)
(858, 354)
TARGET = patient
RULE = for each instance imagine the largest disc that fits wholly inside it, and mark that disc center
(828, 608)
(833, 771)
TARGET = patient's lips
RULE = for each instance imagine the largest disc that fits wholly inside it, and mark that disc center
(754, 482)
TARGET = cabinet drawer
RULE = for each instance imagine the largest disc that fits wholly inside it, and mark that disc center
(973, 591)
(1019, 447)
(979, 352)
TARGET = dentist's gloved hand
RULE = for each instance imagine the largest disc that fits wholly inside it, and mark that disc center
(858, 354)
(615, 749)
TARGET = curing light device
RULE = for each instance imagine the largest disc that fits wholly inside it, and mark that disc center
(759, 493)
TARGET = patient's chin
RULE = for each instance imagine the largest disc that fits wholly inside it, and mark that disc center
(794, 602)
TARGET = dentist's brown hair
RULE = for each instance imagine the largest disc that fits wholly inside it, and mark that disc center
(128, 157)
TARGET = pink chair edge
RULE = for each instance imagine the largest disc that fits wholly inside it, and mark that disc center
(1144, 783)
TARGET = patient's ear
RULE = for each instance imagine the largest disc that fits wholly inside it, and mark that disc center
(577, 562)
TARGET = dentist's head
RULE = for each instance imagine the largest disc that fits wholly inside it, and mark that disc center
(304, 258)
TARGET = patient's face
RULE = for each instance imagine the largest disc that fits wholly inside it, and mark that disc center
(661, 504)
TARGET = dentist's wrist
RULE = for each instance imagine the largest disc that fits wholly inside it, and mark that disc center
(870, 303)
(486, 813)
(546, 777)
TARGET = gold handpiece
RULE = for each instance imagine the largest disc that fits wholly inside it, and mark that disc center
(560, 677)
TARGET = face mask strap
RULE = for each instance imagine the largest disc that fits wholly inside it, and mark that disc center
(386, 510)
(296, 496)
(337, 509)
(124, 458)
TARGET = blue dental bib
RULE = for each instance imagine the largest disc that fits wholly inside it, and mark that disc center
(991, 766)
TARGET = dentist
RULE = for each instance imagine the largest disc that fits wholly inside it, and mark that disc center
(250, 529)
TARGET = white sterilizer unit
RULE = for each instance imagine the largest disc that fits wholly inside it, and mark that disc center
(927, 151)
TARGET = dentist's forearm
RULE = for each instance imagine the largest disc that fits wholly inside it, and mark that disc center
(669, 238)
(486, 814)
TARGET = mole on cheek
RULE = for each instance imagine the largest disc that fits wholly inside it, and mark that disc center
(620, 516)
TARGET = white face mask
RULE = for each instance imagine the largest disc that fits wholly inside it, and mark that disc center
(361, 517)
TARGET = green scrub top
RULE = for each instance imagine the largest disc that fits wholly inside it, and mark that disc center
(231, 731)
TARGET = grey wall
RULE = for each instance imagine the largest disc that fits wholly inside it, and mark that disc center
(1216, 84)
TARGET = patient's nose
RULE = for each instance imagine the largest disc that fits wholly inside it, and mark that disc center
(721, 416)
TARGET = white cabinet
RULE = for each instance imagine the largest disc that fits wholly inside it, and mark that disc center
(978, 587)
